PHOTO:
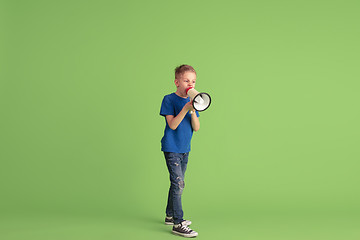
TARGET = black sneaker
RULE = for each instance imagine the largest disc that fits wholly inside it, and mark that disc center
(183, 230)
(170, 221)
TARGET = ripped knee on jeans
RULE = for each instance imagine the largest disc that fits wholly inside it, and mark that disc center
(181, 185)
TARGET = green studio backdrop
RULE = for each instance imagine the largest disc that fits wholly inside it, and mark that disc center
(81, 84)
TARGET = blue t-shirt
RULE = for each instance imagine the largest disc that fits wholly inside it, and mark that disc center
(177, 140)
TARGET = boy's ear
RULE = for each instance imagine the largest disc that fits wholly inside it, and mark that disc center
(176, 82)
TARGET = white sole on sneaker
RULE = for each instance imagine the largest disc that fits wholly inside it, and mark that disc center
(194, 234)
(188, 223)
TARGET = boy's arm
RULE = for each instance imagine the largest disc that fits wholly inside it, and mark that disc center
(195, 123)
(175, 121)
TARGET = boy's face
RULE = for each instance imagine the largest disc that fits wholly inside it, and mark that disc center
(188, 79)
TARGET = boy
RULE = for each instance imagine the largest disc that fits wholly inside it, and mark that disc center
(181, 120)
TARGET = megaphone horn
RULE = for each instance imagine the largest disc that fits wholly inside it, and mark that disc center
(201, 101)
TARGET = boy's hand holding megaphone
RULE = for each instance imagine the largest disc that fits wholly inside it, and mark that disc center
(189, 107)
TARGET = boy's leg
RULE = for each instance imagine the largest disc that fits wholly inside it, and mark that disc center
(184, 163)
(169, 209)
(173, 162)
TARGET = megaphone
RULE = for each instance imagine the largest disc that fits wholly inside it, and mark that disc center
(201, 101)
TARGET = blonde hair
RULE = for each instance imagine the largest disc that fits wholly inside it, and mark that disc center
(180, 70)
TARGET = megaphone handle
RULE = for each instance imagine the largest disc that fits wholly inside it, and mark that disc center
(191, 112)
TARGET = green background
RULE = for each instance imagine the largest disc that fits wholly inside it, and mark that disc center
(277, 154)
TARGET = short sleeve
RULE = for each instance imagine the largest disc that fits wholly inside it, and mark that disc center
(167, 108)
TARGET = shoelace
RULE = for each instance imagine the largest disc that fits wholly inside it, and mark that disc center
(186, 228)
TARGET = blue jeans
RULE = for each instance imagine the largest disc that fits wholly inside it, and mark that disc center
(176, 164)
